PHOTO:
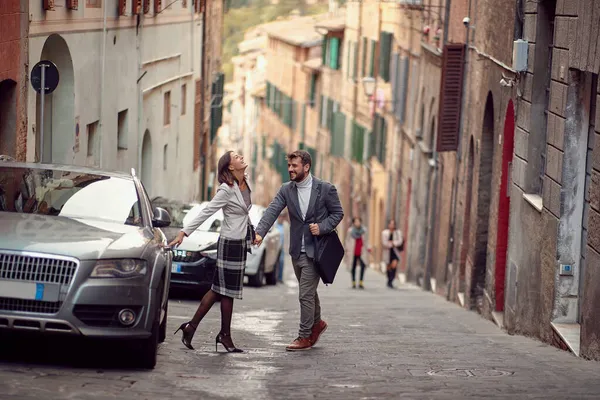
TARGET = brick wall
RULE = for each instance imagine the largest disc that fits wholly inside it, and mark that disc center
(13, 60)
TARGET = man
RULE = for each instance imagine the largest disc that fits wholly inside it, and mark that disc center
(308, 218)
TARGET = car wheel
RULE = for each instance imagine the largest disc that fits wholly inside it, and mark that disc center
(258, 279)
(149, 346)
(272, 276)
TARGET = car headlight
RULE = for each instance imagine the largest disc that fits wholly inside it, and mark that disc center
(119, 269)
(210, 251)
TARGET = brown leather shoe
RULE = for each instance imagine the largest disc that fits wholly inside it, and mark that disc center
(300, 344)
(317, 331)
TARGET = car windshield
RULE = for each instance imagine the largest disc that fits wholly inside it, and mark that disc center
(69, 194)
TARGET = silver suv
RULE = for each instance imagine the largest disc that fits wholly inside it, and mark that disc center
(81, 254)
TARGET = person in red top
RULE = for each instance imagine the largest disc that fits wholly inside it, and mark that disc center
(357, 245)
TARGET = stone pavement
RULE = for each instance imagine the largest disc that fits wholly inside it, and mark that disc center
(381, 344)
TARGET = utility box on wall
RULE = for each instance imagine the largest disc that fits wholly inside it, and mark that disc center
(520, 50)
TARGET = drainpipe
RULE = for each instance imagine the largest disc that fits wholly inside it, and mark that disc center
(435, 172)
(454, 260)
(140, 97)
(102, 80)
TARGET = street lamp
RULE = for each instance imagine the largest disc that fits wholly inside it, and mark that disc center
(369, 85)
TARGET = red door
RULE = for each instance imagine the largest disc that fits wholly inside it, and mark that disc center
(504, 205)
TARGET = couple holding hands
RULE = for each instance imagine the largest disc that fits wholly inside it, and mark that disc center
(314, 209)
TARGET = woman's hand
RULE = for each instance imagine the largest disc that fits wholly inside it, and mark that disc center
(178, 239)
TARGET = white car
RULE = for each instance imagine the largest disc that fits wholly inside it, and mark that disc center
(261, 264)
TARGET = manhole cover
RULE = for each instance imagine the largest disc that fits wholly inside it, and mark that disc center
(462, 373)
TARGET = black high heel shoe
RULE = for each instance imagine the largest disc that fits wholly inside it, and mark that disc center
(186, 338)
(219, 339)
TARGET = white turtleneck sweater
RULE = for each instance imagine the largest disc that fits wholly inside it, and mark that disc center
(304, 190)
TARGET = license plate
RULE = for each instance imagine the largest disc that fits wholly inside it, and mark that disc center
(176, 268)
(29, 290)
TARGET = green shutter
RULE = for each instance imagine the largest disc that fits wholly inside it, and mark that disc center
(303, 123)
(313, 155)
(329, 123)
(321, 110)
(324, 51)
(264, 147)
(313, 89)
(337, 134)
(355, 61)
(384, 55)
(372, 60)
(334, 47)
(364, 56)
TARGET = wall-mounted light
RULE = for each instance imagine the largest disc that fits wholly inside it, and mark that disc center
(369, 85)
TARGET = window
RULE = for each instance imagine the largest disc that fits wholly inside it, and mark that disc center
(165, 152)
(183, 99)
(358, 142)
(92, 130)
(450, 97)
(122, 130)
(93, 3)
(167, 108)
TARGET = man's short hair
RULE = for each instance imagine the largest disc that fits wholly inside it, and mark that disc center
(303, 155)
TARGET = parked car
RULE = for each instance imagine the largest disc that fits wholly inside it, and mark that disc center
(194, 261)
(81, 253)
(201, 248)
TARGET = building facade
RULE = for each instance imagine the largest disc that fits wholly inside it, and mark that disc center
(13, 78)
(128, 93)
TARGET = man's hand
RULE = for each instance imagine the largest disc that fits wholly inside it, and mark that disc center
(314, 229)
(258, 240)
(178, 239)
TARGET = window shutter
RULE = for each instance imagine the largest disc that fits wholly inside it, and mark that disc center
(72, 4)
(355, 61)
(365, 49)
(122, 7)
(337, 134)
(322, 111)
(394, 80)
(136, 7)
(372, 60)
(334, 47)
(330, 114)
(313, 89)
(401, 88)
(303, 123)
(146, 6)
(385, 40)
(157, 6)
(324, 51)
(450, 99)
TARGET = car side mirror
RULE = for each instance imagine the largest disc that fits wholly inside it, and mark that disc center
(161, 218)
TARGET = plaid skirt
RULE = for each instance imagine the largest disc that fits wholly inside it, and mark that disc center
(231, 263)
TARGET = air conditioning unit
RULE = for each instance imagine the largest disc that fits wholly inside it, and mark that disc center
(520, 50)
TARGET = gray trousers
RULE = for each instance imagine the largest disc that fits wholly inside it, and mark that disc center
(308, 280)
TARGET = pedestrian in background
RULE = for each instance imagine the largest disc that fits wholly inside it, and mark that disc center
(235, 239)
(393, 244)
(281, 220)
(357, 249)
(314, 209)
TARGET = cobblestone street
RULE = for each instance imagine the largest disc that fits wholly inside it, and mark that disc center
(381, 343)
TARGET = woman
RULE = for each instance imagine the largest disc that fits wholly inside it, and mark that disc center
(357, 244)
(233, 196)
(392, 243)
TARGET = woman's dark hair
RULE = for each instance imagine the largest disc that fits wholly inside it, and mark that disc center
(356, 218)
(224, 174)
(304, 157)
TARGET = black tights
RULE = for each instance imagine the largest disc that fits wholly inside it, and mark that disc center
(226, 311)
(357, 259)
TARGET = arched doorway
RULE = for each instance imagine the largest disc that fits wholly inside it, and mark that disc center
(504, 206)
(147, 162)
(465, 243)
(484, 195)
(59, 106)
(8, 117)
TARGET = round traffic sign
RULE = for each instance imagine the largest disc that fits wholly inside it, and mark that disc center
(51, 76)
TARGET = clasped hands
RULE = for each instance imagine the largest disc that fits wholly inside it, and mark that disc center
(314, 229)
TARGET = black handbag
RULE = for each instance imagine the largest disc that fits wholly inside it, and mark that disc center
(329, 253)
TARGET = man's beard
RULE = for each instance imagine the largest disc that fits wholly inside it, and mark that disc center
(299, 177)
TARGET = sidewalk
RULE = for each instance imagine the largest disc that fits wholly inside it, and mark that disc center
(381, 344)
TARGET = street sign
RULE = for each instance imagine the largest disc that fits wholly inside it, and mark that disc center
(50, 76)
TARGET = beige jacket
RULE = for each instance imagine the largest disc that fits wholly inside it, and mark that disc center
(388, 244)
